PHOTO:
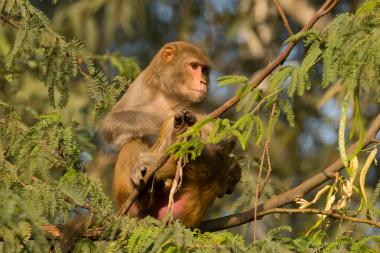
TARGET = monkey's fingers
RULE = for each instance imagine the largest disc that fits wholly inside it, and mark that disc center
(178, 121)
(189, 118)
(184, 118)
(137, 177)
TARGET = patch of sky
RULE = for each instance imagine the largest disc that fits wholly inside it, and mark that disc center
(332, 110)
(222, 6)
(86, 157)
(306, 143)
(201, 30)
(218, 93)
(163, 11)
(326, 133)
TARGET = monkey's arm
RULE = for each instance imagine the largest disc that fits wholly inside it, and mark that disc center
(124, 126)
(169, 130)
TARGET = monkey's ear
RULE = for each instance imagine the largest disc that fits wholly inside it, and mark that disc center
(168, 53)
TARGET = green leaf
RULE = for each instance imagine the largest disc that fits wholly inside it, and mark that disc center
(278, 77)
(231, 79)
(342, 128)
(242, 129)
(357, 121)
(259, 129)
(293, 82)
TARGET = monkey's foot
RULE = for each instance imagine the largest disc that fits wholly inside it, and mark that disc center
(137, 177)
(146, 160)
(184, 119)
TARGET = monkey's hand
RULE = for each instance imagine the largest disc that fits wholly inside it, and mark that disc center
(184, 119)
(139, 171)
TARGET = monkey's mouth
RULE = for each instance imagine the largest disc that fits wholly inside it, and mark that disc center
(203, 91)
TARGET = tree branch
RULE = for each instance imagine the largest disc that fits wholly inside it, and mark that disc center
(9, 22)
(289, 196)
(283, 16)
(330, 213)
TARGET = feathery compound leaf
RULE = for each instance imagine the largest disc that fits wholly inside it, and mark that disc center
(11, 57)
(83, 55)
(247, 97)
(308, 37)
(335, 35)
(215, 130)
(162, 237)
(376, 193)
(242, 129)
(362, 244)
(338, 243)
(223, 128)
(232, 79)
(313, 55)
(278, 77)
(288, 110)
(2, 4)
(369, 6)
(259, 129)
(293, 83)
(272, 123)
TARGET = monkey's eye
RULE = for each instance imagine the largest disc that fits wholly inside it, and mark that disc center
(194, 65)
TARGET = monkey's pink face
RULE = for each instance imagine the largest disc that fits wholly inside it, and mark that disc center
(197, 87)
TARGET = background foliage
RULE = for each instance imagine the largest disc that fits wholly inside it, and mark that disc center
(63, 65)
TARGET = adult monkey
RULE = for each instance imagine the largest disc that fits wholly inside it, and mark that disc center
(176, 78)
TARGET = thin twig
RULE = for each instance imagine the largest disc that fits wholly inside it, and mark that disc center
(266, 147)
(257, 194)
(83, 71)
(269, 170)
(330, 6)
(330, 213)
(9, 22)
(259, 189)
(283, 17)
(177, 182)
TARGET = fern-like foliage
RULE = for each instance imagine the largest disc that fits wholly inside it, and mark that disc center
(40, 178)
(59, 61)
(40, 159)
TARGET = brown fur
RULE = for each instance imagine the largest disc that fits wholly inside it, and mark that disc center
(158, 93)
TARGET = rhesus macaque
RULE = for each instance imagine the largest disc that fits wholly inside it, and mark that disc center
(165, 97)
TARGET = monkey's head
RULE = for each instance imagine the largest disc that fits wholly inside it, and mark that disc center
(180, 69)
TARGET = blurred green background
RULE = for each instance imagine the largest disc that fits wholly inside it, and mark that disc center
(241, 37)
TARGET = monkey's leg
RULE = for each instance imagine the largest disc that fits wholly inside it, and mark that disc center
(126, 161)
